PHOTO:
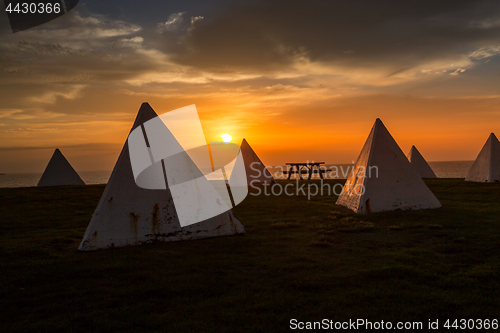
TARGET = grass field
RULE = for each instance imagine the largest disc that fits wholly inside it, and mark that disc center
(302, 259)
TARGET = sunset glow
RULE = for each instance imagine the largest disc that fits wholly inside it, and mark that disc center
(308, 91)
(226, 138)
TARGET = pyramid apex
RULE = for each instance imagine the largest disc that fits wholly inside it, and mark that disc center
(244, 143)
(397, 185)
(145, 113)
(379, 127)
(493, 137)
(486, 166)
(144, 107)
(124, 204)
(378, 123)
(256, 171)
(59, 172)
(420, 164)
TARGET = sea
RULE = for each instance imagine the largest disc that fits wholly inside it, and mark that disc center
(451, 169)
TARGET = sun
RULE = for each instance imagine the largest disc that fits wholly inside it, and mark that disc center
(226, 138)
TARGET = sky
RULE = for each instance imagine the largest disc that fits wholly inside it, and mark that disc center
(300, 80)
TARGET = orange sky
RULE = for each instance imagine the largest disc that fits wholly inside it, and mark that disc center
(77, 83)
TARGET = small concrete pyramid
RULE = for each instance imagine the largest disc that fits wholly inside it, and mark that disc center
(486, 167)
(388, 179)
(420, 164)
(256, 171)
(59, 172)
(130, 215)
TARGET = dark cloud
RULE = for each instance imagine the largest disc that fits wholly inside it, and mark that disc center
(74, 49)
(81, 146)
(395, 33)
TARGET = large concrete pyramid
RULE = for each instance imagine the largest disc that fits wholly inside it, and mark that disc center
(486, 167)
(59, 172)
(383, 179)
(256, 170)
(130, 215)
(420, 164)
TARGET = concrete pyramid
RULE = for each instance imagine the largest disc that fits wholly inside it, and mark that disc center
(420, 164)
(59, 172)
(383, 179)
(130, 215)
(256, 170)
(486, 167)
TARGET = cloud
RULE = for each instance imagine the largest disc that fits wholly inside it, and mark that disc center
(177, 23)
(67, 91)
(25, 47)
(245, 65)
(485, 52)
(59, 59)
(195, 19)
(7, 113)
(392, 36)
(458, 71)
(80, 146)
(74, 27)
(134, 42)
(21, 115)
(173, 22)
(337, 44)
(94, 47)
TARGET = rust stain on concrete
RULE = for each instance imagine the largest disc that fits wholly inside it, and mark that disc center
(134, 220)
(154, 220)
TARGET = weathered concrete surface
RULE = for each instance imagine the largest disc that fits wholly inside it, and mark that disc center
(256, 170)
(130, 215)
(486, 167)
(388, 179)
(420, 164)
